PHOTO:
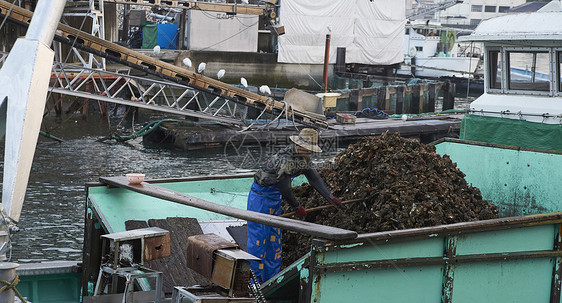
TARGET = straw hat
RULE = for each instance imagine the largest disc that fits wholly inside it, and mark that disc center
(308, 139)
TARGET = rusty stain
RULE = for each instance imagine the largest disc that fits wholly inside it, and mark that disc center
(449, 274)
(317, 287)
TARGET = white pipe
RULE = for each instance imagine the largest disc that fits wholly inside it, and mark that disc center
(166, 18)
(45, 21)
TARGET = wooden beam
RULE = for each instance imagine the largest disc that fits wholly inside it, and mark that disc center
(316, 230)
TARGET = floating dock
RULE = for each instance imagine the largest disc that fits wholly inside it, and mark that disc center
(196, 136)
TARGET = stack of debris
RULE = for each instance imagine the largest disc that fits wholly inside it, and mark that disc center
(401, 183)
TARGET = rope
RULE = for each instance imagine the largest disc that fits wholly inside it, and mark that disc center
(285, 106)
(12, 285)
(378, 112)
(257, 119)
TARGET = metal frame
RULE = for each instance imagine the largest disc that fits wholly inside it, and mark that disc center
(97, 29)
(149, 93)
(487, 86)
(503, 53)
(130, 276)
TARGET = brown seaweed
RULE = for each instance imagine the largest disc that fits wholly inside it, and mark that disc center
(403, 184)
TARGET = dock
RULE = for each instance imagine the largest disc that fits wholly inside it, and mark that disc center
(199, 136)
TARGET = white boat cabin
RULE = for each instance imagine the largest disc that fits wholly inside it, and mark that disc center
(523, 66)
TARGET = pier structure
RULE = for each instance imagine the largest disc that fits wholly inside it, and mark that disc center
(164, 71)
(142, 80)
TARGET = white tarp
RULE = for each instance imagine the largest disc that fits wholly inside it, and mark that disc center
(372, 31)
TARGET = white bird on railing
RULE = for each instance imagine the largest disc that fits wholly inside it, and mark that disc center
(264, 89)
(221, 73)
(244, 82)
(201, 67)
(187, 62)
(156, 49)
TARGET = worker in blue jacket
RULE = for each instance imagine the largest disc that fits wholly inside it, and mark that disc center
(272, 183)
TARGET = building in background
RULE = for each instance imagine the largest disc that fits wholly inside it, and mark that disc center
(471, 12)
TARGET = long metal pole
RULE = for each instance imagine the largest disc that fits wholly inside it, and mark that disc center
(326, 61)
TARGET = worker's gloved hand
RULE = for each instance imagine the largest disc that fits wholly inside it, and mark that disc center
(337, 202)
(300, 212)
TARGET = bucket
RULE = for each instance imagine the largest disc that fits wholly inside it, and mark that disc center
(329, 99)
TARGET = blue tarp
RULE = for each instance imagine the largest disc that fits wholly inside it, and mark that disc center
(167, 36)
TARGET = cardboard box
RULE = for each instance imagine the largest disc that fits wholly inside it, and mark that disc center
(345, 118)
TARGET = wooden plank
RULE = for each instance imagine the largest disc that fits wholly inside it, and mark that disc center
(157, 247)
(223, 271)
(316, 230)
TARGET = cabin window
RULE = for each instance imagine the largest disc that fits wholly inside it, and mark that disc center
(494, 68)
(528, 71)
(490, 9)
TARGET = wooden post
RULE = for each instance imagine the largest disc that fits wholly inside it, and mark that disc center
(448, 95)
(415, 103)
(399, 99)
(387, 99)
(360, 99)
(431, 99)
(381, 99)
(340, 60)
(326, 61)
(423, 102)
(353, 100)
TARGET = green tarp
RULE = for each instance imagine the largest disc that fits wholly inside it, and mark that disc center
(512, 132)
(149, 35)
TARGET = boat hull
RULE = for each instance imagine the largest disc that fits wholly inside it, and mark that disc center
(436, 67)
